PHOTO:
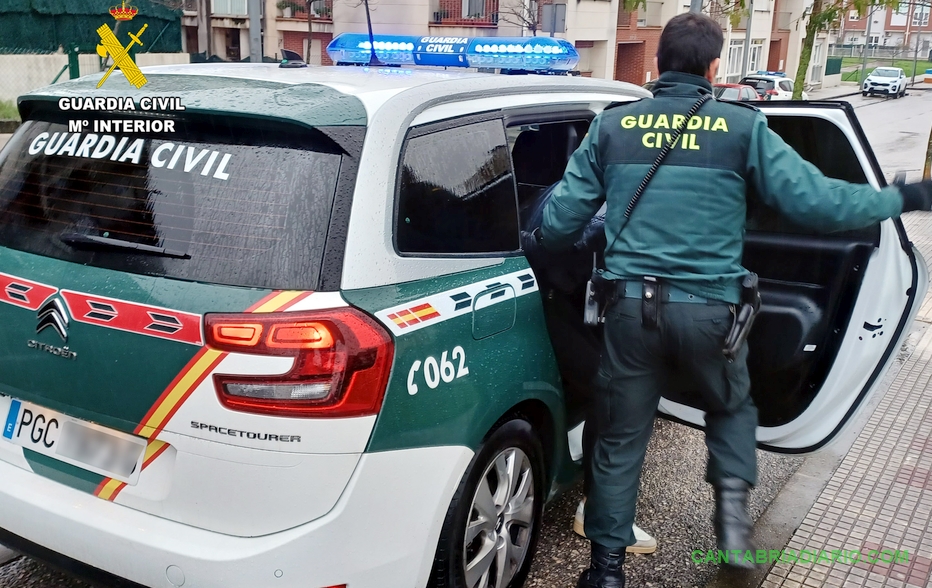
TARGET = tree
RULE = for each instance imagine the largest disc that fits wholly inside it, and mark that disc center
(821, 15)
(524, 13)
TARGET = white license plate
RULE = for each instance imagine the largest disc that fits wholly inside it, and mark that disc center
(79, 443)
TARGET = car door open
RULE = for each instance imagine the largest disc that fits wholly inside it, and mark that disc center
(835, 306)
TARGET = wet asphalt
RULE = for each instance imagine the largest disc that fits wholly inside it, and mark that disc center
(674, 504)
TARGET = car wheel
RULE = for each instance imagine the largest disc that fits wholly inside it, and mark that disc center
(490, 531)
(863, 93)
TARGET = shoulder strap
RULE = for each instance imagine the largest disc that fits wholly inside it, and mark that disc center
(656, 165)
(663, 154)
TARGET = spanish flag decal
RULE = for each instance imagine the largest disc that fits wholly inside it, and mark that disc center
(414, 315)
(181, 388)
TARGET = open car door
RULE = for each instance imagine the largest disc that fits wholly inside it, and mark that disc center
(835, 307)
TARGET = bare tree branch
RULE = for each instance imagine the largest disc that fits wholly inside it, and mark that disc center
(524, 13)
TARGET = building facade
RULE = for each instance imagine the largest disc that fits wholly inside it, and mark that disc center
(612, 42)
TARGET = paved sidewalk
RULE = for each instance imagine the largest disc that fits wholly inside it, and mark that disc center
(878, 502)
(852, 89)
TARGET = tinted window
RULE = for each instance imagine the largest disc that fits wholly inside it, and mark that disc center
(457, 192)
(228, 200)
(821, 143)
(786, 86)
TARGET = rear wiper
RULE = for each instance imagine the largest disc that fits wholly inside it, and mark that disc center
(79, 239)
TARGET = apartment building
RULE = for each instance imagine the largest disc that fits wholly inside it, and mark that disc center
(612, 43)
(900, 28)
(777, 31)
(307, 28)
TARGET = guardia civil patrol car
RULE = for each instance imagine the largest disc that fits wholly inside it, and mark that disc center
(293, 340)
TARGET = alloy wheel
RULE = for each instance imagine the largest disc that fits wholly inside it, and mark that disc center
(501, 521)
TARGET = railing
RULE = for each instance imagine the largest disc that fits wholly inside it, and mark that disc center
(783, 20)
(321, 10)
(649, 14)
(464, 12)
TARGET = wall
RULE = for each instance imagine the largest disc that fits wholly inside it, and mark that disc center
(389, 17)
(25, 73)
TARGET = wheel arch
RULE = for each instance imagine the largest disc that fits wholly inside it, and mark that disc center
(541, 418)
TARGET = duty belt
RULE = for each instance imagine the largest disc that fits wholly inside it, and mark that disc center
(668, 292)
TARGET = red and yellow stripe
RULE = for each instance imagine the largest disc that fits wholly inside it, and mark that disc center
(181, 388)
(414, 315)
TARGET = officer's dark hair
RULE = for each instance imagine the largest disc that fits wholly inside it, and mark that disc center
(689, 43)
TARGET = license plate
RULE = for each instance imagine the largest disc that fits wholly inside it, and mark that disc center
(79, 443)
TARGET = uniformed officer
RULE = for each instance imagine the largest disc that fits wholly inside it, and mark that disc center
(685, 233)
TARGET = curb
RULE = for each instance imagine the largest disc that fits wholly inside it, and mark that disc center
(7, 555)
(9, 126)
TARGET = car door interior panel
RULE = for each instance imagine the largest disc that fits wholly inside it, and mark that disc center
(809, 281)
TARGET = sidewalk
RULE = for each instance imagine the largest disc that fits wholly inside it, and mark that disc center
(878, 502)
(852, 89)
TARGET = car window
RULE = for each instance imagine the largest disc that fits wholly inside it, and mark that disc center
(786, 86)
(821, 143)
(886, 72)
(747, 94)
(233, 200)
(540, 152)
(726, 93)
(456, 193)
(759, 84)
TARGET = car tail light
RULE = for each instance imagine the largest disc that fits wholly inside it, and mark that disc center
(342, 360)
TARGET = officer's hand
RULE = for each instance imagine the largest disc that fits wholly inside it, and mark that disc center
(530, 243)
(917, 196)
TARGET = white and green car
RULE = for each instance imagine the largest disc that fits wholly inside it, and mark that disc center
(286, 336)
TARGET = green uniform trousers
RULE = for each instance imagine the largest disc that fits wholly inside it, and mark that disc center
(632, 376)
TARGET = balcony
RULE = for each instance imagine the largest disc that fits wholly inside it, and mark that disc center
(649, 14)
(321, 10)
(464, 13)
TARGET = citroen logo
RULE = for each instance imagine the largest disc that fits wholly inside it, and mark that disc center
(52, 314)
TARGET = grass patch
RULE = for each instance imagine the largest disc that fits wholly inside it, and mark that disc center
(8, 110)
(907, 65)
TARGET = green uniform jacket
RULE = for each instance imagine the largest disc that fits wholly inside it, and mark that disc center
(688, 226)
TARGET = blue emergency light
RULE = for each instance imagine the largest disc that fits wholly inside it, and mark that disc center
(538, 54)
(781, 74)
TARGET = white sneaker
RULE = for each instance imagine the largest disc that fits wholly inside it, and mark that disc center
(645, 543)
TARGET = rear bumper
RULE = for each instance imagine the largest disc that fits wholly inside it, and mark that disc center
(382, 532)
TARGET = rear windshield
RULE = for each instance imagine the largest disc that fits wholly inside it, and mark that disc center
(225, 200)
(758, 84)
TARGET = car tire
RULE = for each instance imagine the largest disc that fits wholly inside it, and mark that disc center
(499, 502)
(863, 93)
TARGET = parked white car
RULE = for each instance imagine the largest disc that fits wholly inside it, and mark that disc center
(885, 80)
(771, 85)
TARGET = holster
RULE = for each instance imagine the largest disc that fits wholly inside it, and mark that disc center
(600, 293)
(650, 303)
(744, 316)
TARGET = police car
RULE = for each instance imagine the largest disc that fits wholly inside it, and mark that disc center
(293, 341)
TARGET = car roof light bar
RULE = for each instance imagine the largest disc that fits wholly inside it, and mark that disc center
(761, 72)
(539, 54)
